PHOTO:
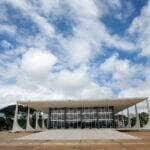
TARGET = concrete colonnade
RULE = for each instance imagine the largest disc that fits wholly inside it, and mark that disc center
(16, 126)
(137, 123)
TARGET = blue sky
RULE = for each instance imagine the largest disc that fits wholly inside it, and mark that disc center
(74, 49)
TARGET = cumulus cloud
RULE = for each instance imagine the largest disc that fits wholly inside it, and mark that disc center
(124, 75)
(142, 89)
(119, 68)
(78, 84)
(78, 50)
(37, 63)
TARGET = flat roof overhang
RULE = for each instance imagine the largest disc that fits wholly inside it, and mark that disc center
(119, 104)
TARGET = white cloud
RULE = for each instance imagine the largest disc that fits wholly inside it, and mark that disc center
(7, 28)
(9, 71)
(3, 13)
(71, 79)
(85, 8)
(90, 34)
(141, 27)
(77, 49)
(27, 9)
(12, 93)
(131, 79)
(5, 44)
(44, 25)
(66, 84)
(94, 91)
(106, 5)
(123, 75)
(120, 10)
(37, 63)
(48, 5)
(120, 43)
(77, 84)
(120, 69)
(142, 89)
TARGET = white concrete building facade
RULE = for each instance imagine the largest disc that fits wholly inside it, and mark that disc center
(99, 113)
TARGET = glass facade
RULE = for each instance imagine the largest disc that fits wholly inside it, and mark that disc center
(92, 117)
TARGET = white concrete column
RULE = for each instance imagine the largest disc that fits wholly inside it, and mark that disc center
(137, 123)
(47, 123)
(147, 126)
(118, 121)
(37, 127)
(16, 126)
(129, 120)
(123, 124)
(28, 126)
(43, 124)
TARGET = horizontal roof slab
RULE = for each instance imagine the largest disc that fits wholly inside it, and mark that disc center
(119, 104)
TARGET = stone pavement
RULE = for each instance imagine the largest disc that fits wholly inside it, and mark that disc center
(79, 134)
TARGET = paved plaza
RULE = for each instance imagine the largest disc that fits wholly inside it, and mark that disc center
(9, 141)
(79, 134)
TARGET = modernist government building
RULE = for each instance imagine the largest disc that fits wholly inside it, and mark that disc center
(101, 113)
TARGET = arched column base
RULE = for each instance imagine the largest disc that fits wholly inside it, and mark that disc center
(17, 128)
(37, 127)
(44, 126)
(136, 127)
(137, 123)
(128, 126)
(29, 128)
